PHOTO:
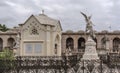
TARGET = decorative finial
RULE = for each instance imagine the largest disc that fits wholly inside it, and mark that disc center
(42, 11)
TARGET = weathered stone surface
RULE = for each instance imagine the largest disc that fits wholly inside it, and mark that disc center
(90, 50)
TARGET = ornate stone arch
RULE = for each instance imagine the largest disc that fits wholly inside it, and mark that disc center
(81, 43)
(11, 42)
(103, 43)
(70, 43)
(116, 44)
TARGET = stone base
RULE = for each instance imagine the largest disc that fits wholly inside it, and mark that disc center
(90, 57)
(90, 50)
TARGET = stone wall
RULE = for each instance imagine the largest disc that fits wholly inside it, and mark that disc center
(110, 36)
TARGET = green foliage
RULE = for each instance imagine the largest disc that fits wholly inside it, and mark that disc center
(6, 59)
(3, 28)
(7, 54)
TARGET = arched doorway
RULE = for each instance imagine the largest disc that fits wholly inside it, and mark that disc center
(70, 43)
(1, 44)
(56, 45)
(81, 44)
(103, 43)
(11, 43)
(116, 44)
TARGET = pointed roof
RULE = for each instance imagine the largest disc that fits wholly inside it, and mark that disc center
(44, 19)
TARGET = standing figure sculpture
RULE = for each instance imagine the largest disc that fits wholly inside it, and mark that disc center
(89, 25)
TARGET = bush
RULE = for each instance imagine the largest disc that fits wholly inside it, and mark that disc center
(7, 54)
(6, 59)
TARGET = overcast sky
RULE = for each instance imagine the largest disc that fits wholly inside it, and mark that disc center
(105, 13)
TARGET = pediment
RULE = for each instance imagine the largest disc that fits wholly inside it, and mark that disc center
(31, 24)
(58, 27)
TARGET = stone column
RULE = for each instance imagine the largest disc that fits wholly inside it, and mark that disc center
(4, 42)
(63, 44)
(48, 49)
(59, 50)
(75, 44)
(107, 45)
(98, 43)
(111, 45)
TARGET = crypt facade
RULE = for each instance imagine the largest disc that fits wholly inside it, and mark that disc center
(40, 36)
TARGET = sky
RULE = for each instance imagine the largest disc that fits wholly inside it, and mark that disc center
(105, 13)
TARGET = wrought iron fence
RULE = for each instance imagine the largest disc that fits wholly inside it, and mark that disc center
(37, 63)
(64, 64)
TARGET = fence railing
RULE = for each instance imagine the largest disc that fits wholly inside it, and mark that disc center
(61, 64)
(32, 62)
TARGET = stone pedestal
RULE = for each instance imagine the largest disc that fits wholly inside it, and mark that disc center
(90, 50)
(90, 57)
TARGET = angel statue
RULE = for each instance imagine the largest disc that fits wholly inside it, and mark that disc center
(89, 25)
